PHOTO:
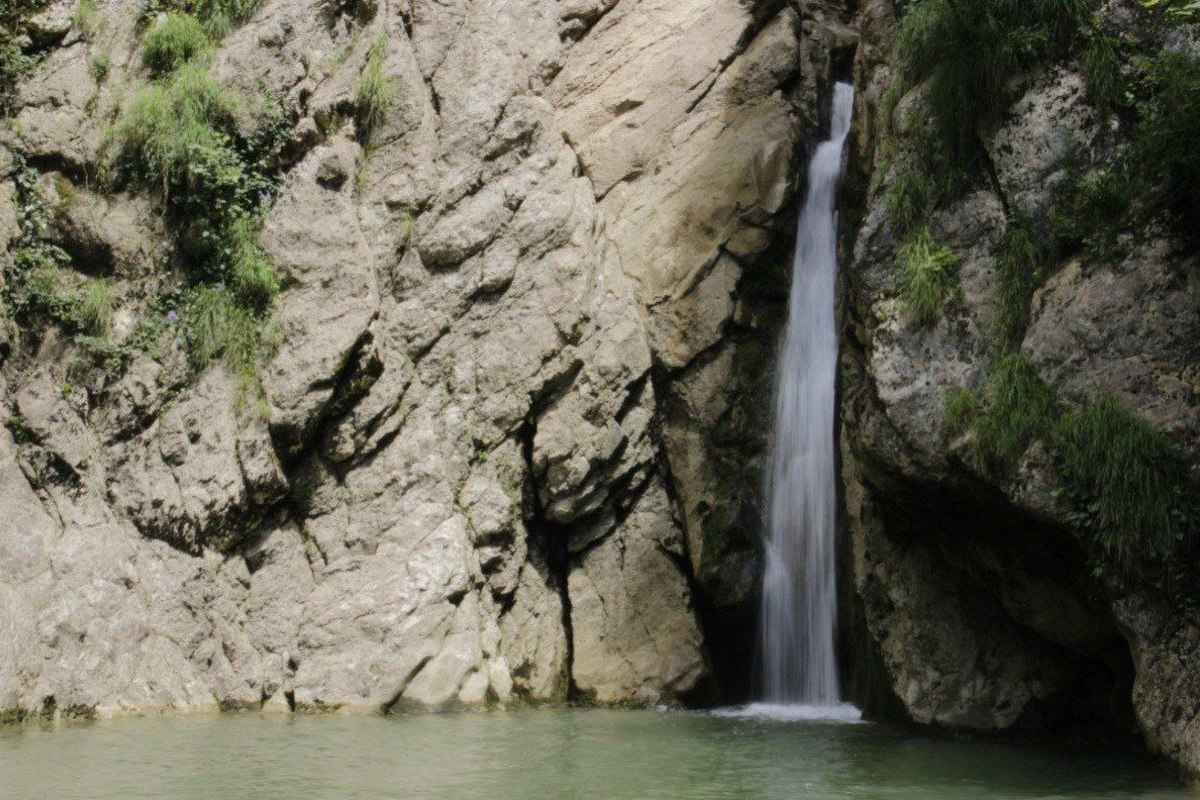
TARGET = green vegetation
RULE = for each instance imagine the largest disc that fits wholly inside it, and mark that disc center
(967, 53)
(13, 62)
(926, 276)
(176, 132)
(1176, 10)
(1021, 263)
(176, 40)
(1091, 211)
(1102, 73)
(94, 308)
(86, 19)
(374, 93)
(219, 17)
(1167, 138)
(909, 199)
(1125, 479)
(1015, 408)
(217, 326)
(962, 405)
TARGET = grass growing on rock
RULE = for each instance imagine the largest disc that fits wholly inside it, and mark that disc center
(1015, 408)
(967, 53)
(374, 92)
(927, 277)
(174, 127)
(1125, 480)
(908, 199)
(1167, 138)
(1021, 263)
(961, 407)
(173, 41)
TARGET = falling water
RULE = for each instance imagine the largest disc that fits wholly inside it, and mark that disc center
(799, 604)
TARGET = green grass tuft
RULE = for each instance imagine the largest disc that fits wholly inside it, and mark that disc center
(217, 327)
(250, 269)
(86, 19)
(94, 308)
(1016, 408)
(1021, 262)
(908, 200)
(172, 130)
(176, 40)
(1101, 67)
(1126, 479)
(374, 93)
(927, 276)
(961, 407)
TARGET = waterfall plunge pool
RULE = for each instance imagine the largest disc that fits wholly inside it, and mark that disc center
(549, 754)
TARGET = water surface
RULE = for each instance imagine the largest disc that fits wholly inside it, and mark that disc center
(548, 755)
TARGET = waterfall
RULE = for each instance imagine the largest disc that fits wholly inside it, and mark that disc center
(799, 604)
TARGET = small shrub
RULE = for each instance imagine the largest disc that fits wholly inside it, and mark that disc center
(1126, 481)
(1021, 266)
(926, 276)
(908, 199)
(374, 93)
(1102, 73)
(959, 412)
(1016, 408)
(176, 40)
(99, 67)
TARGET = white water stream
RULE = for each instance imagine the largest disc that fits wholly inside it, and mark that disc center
(799, 604)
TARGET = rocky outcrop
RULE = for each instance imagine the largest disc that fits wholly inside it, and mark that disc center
(506, 446)
(974, 597)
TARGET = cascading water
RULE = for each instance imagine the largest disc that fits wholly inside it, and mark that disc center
(799, 604)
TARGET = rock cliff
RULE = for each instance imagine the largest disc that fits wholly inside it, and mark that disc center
(503, 446)
(979, 598)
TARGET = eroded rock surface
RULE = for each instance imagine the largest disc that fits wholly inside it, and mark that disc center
(486, 467)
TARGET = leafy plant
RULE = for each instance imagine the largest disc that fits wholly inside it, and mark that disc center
(1126, 481)
(14, 62)
(1016, 407)
(926, 276)
(174, 41)
(1092, 210)
(374, 93)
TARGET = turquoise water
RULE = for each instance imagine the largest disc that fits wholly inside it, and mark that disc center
(546, 754)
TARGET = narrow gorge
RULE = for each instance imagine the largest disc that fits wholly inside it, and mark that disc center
(421, 355)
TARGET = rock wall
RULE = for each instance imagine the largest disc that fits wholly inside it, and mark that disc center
(519, 384)
(972, 597)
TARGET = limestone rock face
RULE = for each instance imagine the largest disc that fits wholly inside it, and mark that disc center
(508, 421)
(974, 602)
